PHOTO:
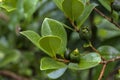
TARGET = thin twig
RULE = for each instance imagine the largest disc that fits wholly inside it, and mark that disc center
(12, 75)
(114, 59)
(105, 62)
(75, 27)
(111, 60)
(102, 72)
(94, 49)
(63, 60)
(109, 19)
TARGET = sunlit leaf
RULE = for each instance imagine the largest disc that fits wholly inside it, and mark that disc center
(73, 8)
(49, 63)
(32, 36)
(55, 28)
(50, 45)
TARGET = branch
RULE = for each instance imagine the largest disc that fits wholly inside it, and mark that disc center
(111, 60)
(94, 49)
(105, 62)
(73, 24)
(109, 19)
(63, 60)
(12, 75)
(102, 72)
(114, 59)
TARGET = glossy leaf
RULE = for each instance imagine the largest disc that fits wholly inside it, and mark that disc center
(73, 8)
(54, 74)
(86, 61)
(32, 36)
(88, 9)
(59, 3)
(53, 27)
(50, 45)
(49, 63)
(108, 52)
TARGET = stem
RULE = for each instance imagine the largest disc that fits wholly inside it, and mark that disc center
(102, 72)
(114, 59)
(110, 20)
(12, 75)
(95, 50)
(63, 60)
(75, 27)
(104, 66)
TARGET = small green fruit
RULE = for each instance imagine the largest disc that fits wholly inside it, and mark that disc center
(75, 56)
(116, 5)
(85, 33)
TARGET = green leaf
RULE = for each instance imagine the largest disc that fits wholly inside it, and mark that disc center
(29, 7)
(54, 74)
(49, 63)
(50, 45)
(59, 3)
(9, 5)
(86, 61)
(88, 9)
(108, 52)
(73, 8)
(53, 27)
(32, 36)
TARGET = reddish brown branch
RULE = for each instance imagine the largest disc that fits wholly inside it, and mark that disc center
(109, 19)
(102, 72)
(111, 60)
(12, 75)
(63, 60)
(105, 62)
(94, 49)
(73, 24)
